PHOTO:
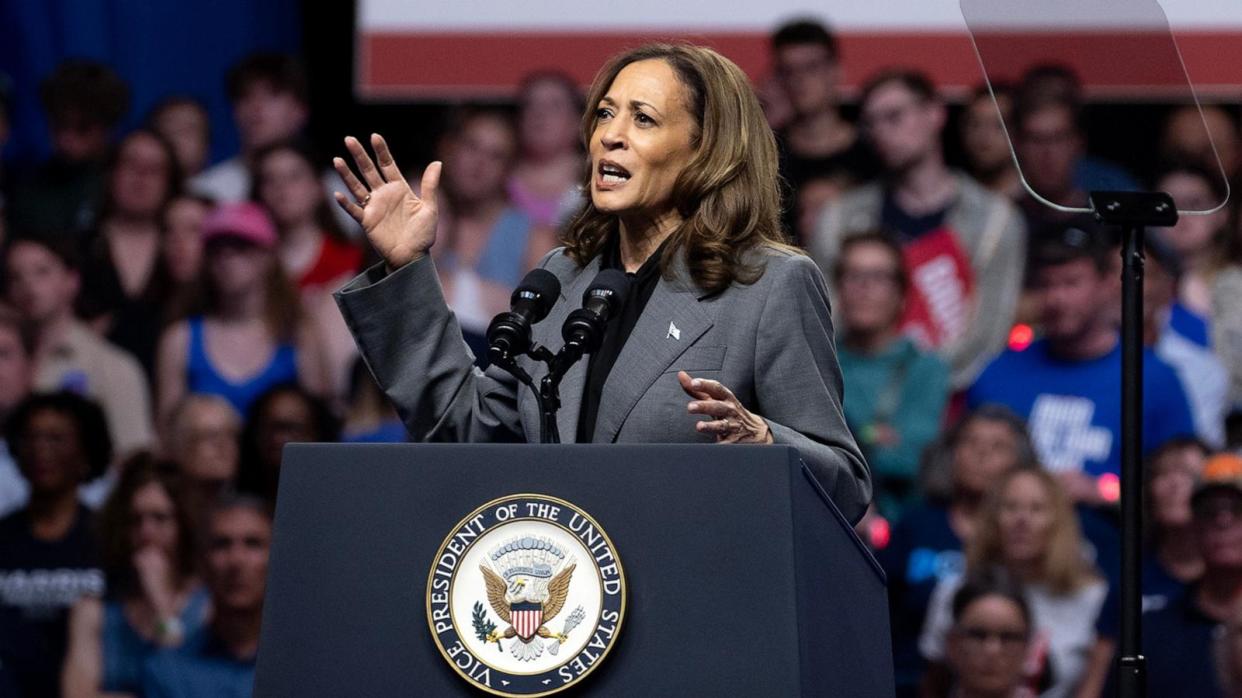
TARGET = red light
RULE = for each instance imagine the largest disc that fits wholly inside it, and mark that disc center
(1020, 337)
(879, 532)
(1109, 486)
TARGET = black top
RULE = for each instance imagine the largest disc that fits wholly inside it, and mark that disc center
(642, 285)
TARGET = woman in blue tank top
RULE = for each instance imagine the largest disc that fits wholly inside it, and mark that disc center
(245, 333)
(154, 599)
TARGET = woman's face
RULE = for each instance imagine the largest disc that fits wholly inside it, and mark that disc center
(983, 134)
(50, 455)
(183, 239)
(548, 120)
(140, 180)
(1192, 235)
(287, 419)
(985, 450)
(1026, 519)
(988, 646)
(1173, 480)
(152, 519)
(289, 187)
(643, 139)
(237, 266)
(186, 128)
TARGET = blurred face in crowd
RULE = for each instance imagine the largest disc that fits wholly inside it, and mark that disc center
(1190, 137)
(238, 542)
(1174, 472)
(983, 134)
(903, 127)
(153, 519)
(1069, 296)
(642, 141)
(140, 180)
(287, 419)
(985, 450)
(809, 75)
(183, 238)
(1192, 236)
(76, 138)
(50, 453)
(237, 266)
(1026, 519)
(871, 296)
(477, 160)
(548, 118)
(987, 647)
(185, 126)
(289, 187)
(205, 440)
(15, 369)
(813, 196)
(1218, 526)
(41, 287)
(266, 115)
(1049, 146)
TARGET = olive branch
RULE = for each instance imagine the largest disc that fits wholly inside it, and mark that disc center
(482, 626)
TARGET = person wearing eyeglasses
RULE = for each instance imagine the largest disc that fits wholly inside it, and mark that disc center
(987, 647)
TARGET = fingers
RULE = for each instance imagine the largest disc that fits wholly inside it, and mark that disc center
(388, 166)
(714, 408)
(720, 428)
(353, 209)
(430, 183)
(713, 389)
(687, 384)
(347, 175)
(366, 166)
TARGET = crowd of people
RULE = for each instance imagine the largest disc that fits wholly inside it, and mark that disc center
(167, 326)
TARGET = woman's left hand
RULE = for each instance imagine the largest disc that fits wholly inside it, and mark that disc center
(731, 422)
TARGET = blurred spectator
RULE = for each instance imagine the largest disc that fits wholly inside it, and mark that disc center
(283, 415)
(1067, 385)
(84, 101)
(816, 142)
(246, 332)
(544, 183)
(1172, 559)
(202, 438)
(48, 557)
(1027, 529)
(987, 645)
(43, 283)
(1204, 379)
(370, 418)
(927, 542)
(486, 245)
(1227, 311)
(181, 250)
(122, 280)
(15, 376)
(989, 158)
(1189, 136)
(269, 93)
(220, 659)
(1197, 241)
(1178, 639)
(898, 393)
(154, 598)
(184, 123)
(1049, 140)
(963, 245)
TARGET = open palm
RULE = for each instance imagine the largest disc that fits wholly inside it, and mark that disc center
(400, 224)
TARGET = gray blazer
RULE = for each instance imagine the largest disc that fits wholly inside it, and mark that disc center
(770, 342)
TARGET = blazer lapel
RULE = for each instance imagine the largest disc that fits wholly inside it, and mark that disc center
(651, 348)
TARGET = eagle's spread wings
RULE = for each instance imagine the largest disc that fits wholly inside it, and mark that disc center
(558, 590)
(496, 593)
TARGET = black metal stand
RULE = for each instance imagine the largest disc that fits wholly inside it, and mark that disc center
(1131, 213)
(547, 395)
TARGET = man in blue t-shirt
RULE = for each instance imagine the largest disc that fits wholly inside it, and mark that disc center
(1068, 384)
(220, 660)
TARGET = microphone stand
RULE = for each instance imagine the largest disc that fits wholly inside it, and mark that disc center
(1132, 213)
(547, 395)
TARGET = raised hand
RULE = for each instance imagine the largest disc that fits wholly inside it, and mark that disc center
(400, 224)
(731, 422)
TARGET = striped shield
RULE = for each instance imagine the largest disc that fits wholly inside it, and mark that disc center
(526, 618)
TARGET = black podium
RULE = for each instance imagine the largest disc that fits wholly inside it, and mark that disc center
(743, 579)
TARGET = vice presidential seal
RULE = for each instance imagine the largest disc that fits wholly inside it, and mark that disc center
(526, 596)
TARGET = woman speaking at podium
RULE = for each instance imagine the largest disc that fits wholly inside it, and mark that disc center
(725, 334)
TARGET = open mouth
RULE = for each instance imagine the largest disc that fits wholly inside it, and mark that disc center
(612, 173)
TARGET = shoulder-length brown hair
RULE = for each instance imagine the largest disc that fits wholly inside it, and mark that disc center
(728, 195)
(1065, 569)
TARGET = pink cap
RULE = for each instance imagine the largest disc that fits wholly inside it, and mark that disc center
(246, 221)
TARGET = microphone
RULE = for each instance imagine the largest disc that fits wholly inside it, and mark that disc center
(508, 335)
(583, 330)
